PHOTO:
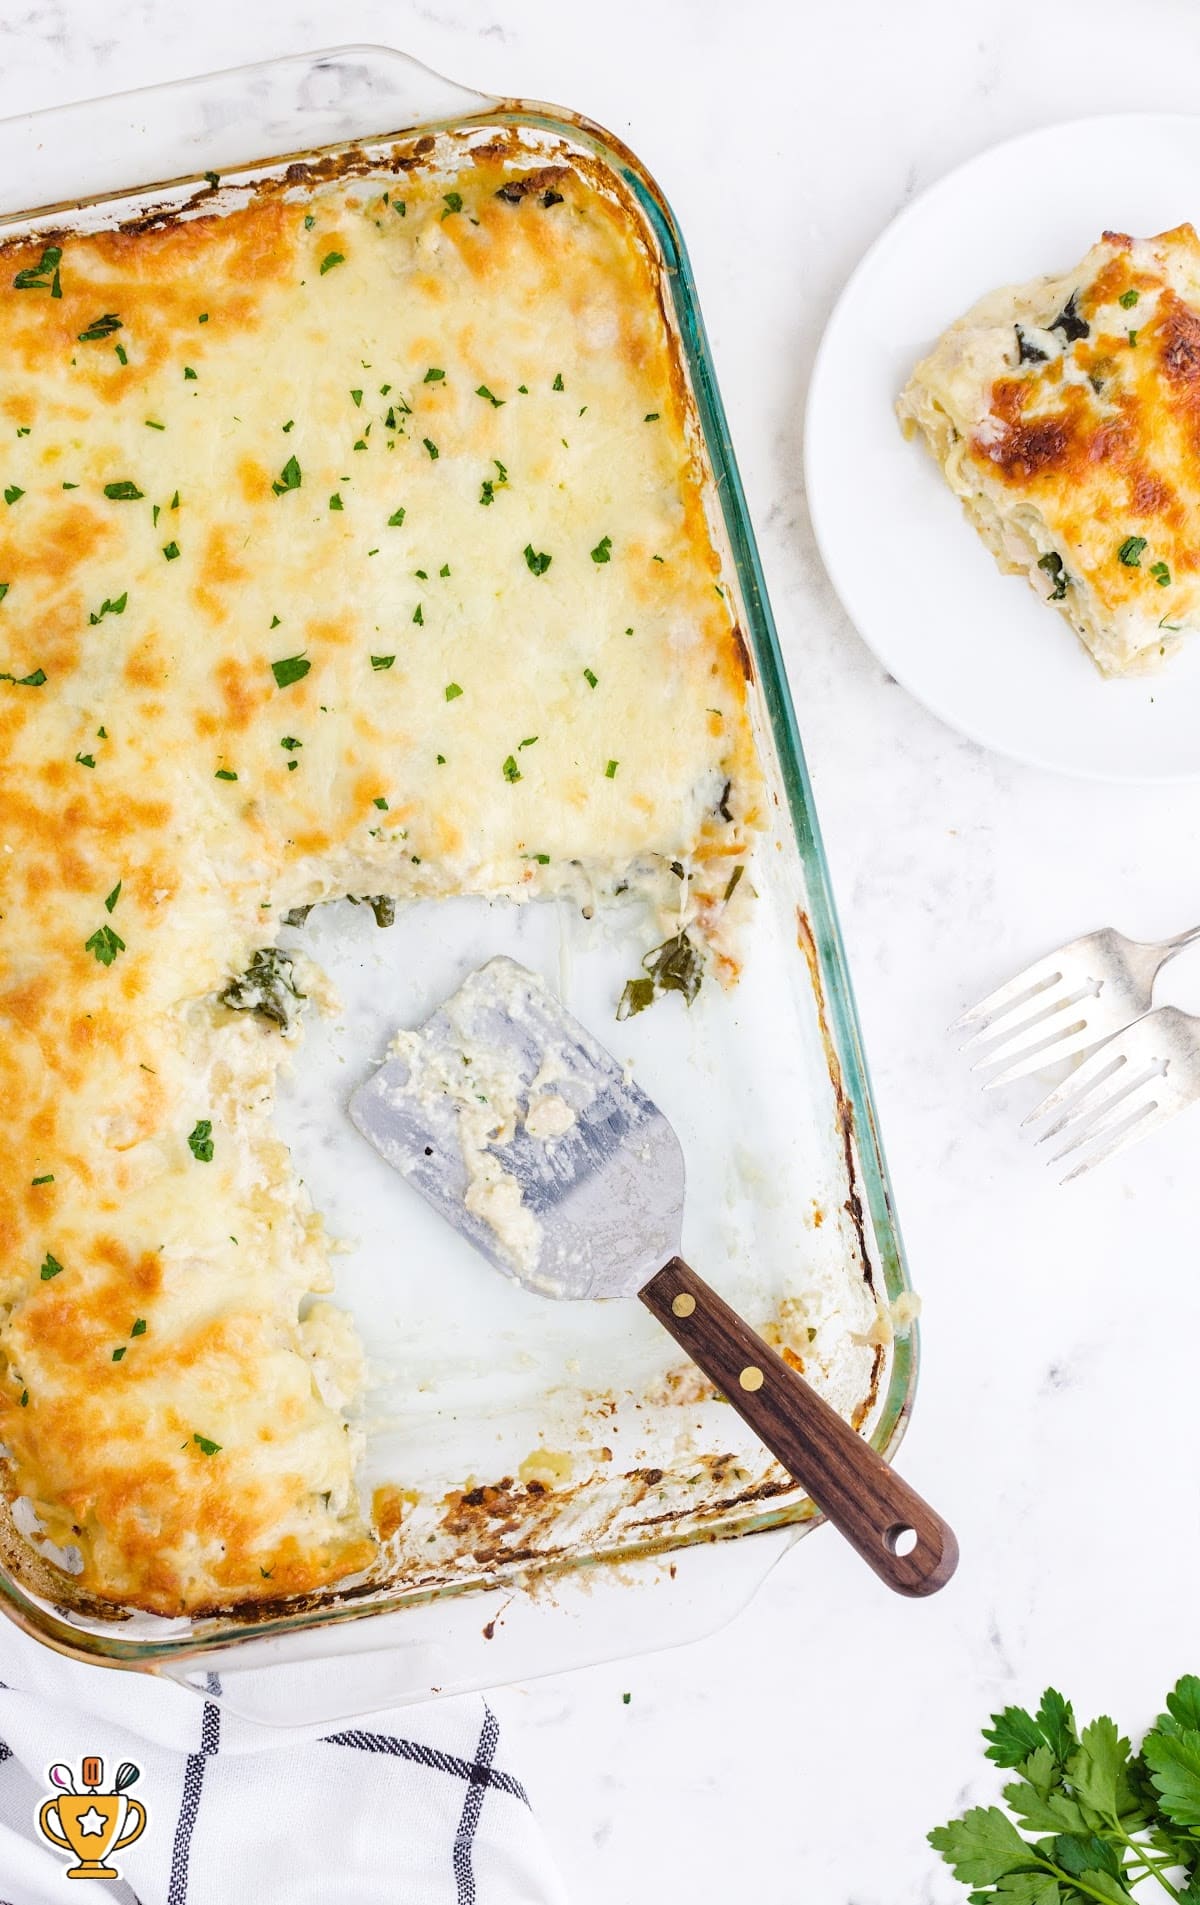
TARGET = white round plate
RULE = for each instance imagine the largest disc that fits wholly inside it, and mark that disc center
(977, 647)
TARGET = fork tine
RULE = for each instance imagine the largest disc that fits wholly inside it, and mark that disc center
(1094, 1121)
(1044, 972)
(1131, 1132)
(1093, 1071)
(1048, 1052)
(1038, 1026)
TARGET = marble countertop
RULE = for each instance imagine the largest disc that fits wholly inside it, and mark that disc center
(1057, 1357)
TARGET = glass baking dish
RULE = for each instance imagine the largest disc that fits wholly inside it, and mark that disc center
(789, 1202)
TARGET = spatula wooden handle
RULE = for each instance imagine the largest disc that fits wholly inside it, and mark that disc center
(852, 1485)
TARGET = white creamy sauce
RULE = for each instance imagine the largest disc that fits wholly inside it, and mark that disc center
(549, 1117)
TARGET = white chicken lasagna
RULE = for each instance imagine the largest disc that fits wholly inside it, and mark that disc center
(1066, 415)
(353, 542)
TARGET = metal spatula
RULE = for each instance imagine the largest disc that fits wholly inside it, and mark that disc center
(530, 1138)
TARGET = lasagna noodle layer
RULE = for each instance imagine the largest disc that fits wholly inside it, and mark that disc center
(353, 541)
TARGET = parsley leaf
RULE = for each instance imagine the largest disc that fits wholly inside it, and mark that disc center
(205, 1446)
(331, 259)
(200, 1141)
(537, 561)
(1161, 574)
(100, 327)
(452, 691)
(1128, 299)
(123, 492)
(434, 376)
(105, 945)
(1130, 552)
(289, 477)
(379, 662)
(394, 522)
(292, 668)
(13, 495)
(50, 1268)
(453, 201)
(982, 1846)
(496, 402)
(113, 897)
(510, 769)
(603, 550)
(44, 275)
(432, 449)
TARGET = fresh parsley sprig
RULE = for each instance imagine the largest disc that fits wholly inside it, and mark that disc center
(1091, 1819)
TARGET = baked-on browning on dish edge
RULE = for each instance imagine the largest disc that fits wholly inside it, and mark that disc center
(352, 542)
(1066, 415)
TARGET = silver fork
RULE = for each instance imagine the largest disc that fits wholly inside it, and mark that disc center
(1134, 1082)
(1063, 1003)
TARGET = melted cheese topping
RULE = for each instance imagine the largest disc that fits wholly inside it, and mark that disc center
(1066, 415)
(353, 541)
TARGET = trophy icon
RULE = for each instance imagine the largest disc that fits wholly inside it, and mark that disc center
(91, 1824)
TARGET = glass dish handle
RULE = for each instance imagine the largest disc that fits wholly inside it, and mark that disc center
(221, 121)
(316, 1692)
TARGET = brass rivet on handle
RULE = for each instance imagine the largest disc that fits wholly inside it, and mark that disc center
(683, 1304)
(751, 1377)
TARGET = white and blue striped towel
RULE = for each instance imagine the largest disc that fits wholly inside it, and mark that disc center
(412, 1807)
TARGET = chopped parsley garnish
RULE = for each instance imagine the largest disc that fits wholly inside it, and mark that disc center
(100, 327)
(331, 259)
(487, 493)
(356, 398)
(86, 760)
(214, 179)
(118, 1353)
(104, 945)
(394, 522)
(432, 449)
(360, 445)
(453, 202)
(610, 772)
(51, 1268)
(139, 1327)
(151, 425)
(379, 662)
(4, 588)
(730, 890)
(123, 492)
(290, 742)
(175, 500)
(24, 430)
(275, 622)
(452, 691)
(113, 897)
(434, 376)
(1052, 564)
(155, 513)
(203, 318)
(289, 477)
(200, 1141)
(115, 606)
(122, 353)
(558, 383)
(1128, 299)
(1130, 552)
(47, 1179)
(441, 760)
(537, 561)
(1161, 574)
(309, 221)
(418, 615)
(44, 275)
(1133, 337)
(445, 569)
(225, 774)
(335, 501)
(24, 1398)
(603, 550)
(590, 678)
(381, 803)
(189, 375)
(543, 859)
(289, 425)
(13, 495)
(292, 668)
(36, 680)
(496, 402)
(171, 551)
(202, 1442)
(651, 416)
(510, 770)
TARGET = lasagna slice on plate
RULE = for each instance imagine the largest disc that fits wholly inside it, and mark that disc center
(1066, 415)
